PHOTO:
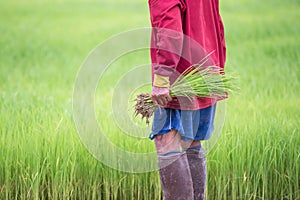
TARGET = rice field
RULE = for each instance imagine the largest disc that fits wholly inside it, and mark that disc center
(44, 43)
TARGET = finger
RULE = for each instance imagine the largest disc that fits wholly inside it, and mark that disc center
(154, 99)
(160, 101)
(169, 98)
(164, 99)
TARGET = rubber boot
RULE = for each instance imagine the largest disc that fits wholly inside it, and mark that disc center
(175, 177)
(197, 163)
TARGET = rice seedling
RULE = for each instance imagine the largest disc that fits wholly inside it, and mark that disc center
(195, 81)
(43, 43)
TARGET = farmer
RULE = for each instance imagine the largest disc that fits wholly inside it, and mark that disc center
(183, 33)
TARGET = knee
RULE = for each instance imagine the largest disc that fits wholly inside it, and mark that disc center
(190, 143)
(195, 143)
(167, 142)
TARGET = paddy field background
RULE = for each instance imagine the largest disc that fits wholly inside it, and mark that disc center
(42, 46)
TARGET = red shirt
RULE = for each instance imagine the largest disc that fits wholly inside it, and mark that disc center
(184, 31)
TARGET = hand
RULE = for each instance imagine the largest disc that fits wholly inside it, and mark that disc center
(160, 96)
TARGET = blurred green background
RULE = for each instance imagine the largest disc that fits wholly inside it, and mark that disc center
(43, 44)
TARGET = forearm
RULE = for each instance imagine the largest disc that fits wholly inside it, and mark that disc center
(167, 39)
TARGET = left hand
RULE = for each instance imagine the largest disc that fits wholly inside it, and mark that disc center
(160, 96)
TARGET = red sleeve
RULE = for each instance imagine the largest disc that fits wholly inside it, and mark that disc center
(167, 36)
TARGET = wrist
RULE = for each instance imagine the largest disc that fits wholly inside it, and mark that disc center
(159, 90)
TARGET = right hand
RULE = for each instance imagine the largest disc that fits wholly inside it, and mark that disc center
(160, 96)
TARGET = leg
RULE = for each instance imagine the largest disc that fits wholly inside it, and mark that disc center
(196, 154)
(174, 169)
(167, 143)
(197, 163)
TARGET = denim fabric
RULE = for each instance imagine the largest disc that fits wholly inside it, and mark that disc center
(191, 124)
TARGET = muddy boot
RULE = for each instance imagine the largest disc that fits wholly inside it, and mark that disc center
(175, 177)
(197, 163)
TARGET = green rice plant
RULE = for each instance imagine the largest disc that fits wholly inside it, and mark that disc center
(195, 81)
(44, 42)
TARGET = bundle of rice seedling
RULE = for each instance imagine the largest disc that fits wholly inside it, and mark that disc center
(194, 81)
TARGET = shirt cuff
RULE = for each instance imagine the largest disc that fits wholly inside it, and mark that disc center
(161, 81)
